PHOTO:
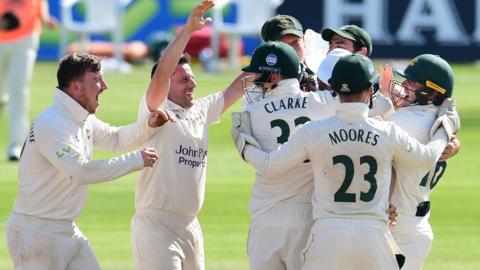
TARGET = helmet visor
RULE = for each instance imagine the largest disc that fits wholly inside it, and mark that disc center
(255, 87)
(401, 92)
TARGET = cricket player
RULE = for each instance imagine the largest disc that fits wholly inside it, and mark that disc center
(280, 206)
(349, 37)
(166, 233)
(425, 84)
(355, 40)
(351, 157)
(56, 168)
(288, 29)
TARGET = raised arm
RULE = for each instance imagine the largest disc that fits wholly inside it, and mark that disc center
(233, 92)
(157, 91)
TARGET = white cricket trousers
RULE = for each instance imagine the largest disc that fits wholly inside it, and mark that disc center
(349, 244)
(414, 238)
(166, 241)
(17, 59)
(46, 244)
(278, 236)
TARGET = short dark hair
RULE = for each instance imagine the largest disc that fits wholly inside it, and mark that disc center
(73, 66)
(184, 59)
(357, 46)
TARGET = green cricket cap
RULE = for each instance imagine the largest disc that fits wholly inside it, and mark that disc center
(351, 32)
(275, 56)
(352, 74)
(431, 71)
(280, 25)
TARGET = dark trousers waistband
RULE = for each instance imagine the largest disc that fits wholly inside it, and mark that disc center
(422, 209)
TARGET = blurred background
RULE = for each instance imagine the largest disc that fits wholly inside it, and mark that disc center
(399, 29)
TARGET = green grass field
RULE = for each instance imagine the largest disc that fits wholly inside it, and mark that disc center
(224, 218)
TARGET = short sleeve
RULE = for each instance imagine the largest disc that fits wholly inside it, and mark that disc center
(213, 106)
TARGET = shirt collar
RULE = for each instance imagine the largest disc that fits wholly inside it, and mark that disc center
(71, 106)
(286, 86)
(352, 110)
(174, 106)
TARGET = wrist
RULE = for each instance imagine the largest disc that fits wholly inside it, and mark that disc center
(186, 30)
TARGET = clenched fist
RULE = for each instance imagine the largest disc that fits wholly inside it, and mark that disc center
(149, 156)
(159, 118)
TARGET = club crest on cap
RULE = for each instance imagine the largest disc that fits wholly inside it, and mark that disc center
(271, 59)
(344, 88)
(413, 62)
(371, 69)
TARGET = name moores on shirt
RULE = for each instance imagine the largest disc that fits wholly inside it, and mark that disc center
(286, 104)
(191, 157)
(353, 135)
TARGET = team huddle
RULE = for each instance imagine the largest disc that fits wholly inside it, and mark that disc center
(345, 158)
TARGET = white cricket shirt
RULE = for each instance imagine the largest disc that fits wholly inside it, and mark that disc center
(415, 183)
(176, 183)
(56, 164)
(351, 156)
(381, 106)
(274, 119)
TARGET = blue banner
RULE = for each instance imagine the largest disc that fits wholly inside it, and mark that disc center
(399, 29)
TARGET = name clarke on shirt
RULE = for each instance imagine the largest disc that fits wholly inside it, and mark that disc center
(286, 104)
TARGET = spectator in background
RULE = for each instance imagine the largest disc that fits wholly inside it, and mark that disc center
(18, 52)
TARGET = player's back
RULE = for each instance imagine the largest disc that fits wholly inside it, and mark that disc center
(352, 168)
(352, 158)
(274, 119)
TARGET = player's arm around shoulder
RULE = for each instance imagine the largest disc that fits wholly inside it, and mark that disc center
(453, 147)
(288, 155)
(408, 149)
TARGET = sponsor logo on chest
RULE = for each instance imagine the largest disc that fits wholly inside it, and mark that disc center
(191, 157)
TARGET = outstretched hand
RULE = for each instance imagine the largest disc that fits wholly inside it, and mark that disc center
(196, 21)
(386, 75)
